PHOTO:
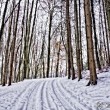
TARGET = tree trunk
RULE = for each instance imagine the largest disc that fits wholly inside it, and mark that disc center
(92, 67)
(77, 41)
(80, 37)
(95, 36)
(69, 46)
(107, 33)
(26, 61)
(7, 52)
(48, 57)
(58, 55)
(3, 19)
(13, 46)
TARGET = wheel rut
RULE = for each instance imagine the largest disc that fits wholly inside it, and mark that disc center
(71, 97)
(12, 99)
(65, 105)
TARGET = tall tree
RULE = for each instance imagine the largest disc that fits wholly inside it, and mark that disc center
(106, 11)
(7, 53)
(107, 5)
(13, 46)
(77, 40)
(49, 38)
(95, 36)
(69, 46)
(3, 19)
(25, 51)
(92, 67)
(80, 36)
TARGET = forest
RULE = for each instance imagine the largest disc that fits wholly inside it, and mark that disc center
(53, 39)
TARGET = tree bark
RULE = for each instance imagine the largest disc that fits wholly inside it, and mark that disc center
(77, 41)
(3, 19)
(95, 36)
(92, 67)
(49, 38)
(69, 46)
(13, 46)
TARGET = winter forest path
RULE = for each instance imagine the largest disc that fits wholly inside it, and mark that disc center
(48, 94)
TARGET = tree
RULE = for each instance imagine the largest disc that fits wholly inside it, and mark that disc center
(69, 47)
(13, 46)
(92, 67)
(58, 55)
(49, 38)
(106, 11)
(3, 19)
(95, 36)
(7, 53)
(77, 41)
(80, 36)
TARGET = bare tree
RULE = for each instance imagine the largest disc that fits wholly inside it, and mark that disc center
(92, 67)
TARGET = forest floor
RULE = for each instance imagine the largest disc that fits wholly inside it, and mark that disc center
(57, 94)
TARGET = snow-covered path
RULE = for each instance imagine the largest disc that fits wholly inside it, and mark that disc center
(56, 94)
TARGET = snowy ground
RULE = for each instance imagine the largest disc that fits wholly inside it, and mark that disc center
(57, 94)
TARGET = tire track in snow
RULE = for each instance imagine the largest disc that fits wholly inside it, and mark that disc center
(39, 97)
(45, 97)
(10, 100)
(19, 100)
(54, 97)
(52, 105)
(71, 98)
(46, 103)
(81, 96)
(81, 99)
(11, 91)
(42, 96)
(31, 98)
(45, 100)
(61, 98)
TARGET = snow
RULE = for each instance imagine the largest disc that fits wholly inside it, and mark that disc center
(57, 94)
